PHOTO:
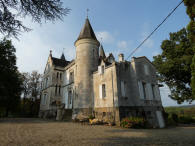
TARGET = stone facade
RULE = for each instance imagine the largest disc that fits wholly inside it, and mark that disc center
(100, 86)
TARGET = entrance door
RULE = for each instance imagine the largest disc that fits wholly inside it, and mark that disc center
(160, 119)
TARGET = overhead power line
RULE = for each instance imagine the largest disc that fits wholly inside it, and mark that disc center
(154, 30)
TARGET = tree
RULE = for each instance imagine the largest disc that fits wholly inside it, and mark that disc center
(10, 81)
(31, 91)
(12, 10)
(31, 84)
(174, 63)
(25, 84)
(35, 81)
(191, 28)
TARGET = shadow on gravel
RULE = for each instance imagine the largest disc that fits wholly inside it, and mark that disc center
(134, 141)
(24, 120)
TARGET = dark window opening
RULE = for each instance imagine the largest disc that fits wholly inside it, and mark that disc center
(57, 75)
(56, 90)
(59, 89)
(153, 91)
(144, 89)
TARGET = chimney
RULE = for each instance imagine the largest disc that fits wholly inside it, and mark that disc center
(121, 57)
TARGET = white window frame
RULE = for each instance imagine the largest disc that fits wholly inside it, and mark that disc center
(102, 91)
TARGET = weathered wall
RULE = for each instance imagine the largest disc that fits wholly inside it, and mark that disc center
(86, 63)
(105, 108)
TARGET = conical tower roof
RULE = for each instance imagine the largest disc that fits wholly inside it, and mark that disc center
(102, 54)
(87, 31)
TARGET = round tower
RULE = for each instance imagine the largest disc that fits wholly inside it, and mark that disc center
(87, 57)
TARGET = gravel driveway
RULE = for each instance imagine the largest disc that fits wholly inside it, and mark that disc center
(38, 132)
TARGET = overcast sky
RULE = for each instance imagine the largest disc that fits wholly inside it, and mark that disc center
(122, 24)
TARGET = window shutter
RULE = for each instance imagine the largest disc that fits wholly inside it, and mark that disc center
(149, 88)
(146, 69)
(122, 88)
(141, 94)
(100, 91)
(157, 92)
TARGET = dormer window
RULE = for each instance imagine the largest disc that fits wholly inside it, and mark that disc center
(101, 69)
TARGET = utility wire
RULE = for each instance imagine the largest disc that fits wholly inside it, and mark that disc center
(154, 30)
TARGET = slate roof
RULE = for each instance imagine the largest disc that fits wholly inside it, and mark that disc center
(60, 62)
(87, 31)
(102, 54)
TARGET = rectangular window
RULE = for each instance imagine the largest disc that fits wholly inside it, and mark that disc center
(69, 96)
(103, 90)
(59, 90)
(57, 75)
(60, 76)
(56, 89)
(71, 77)
(44, 99)
(144, 89)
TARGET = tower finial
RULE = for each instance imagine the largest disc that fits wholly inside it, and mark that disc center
(87, 12)
(50, 53)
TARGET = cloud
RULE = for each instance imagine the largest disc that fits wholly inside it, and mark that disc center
(122, 44)
(105, 36)
(32, 51)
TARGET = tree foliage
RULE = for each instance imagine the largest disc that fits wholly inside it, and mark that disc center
(174, 63)
(190, 4)
(10, 81)
(11, 11)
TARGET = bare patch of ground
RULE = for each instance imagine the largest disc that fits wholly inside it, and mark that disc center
(38, 132)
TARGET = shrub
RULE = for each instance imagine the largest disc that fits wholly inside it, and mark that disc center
(171, 122)
(91, 117)
(133, 122)
(175, 117)
(186, 120)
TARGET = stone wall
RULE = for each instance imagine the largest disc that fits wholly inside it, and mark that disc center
(107, 114)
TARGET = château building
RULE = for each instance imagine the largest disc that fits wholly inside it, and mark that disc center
(99, 85)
